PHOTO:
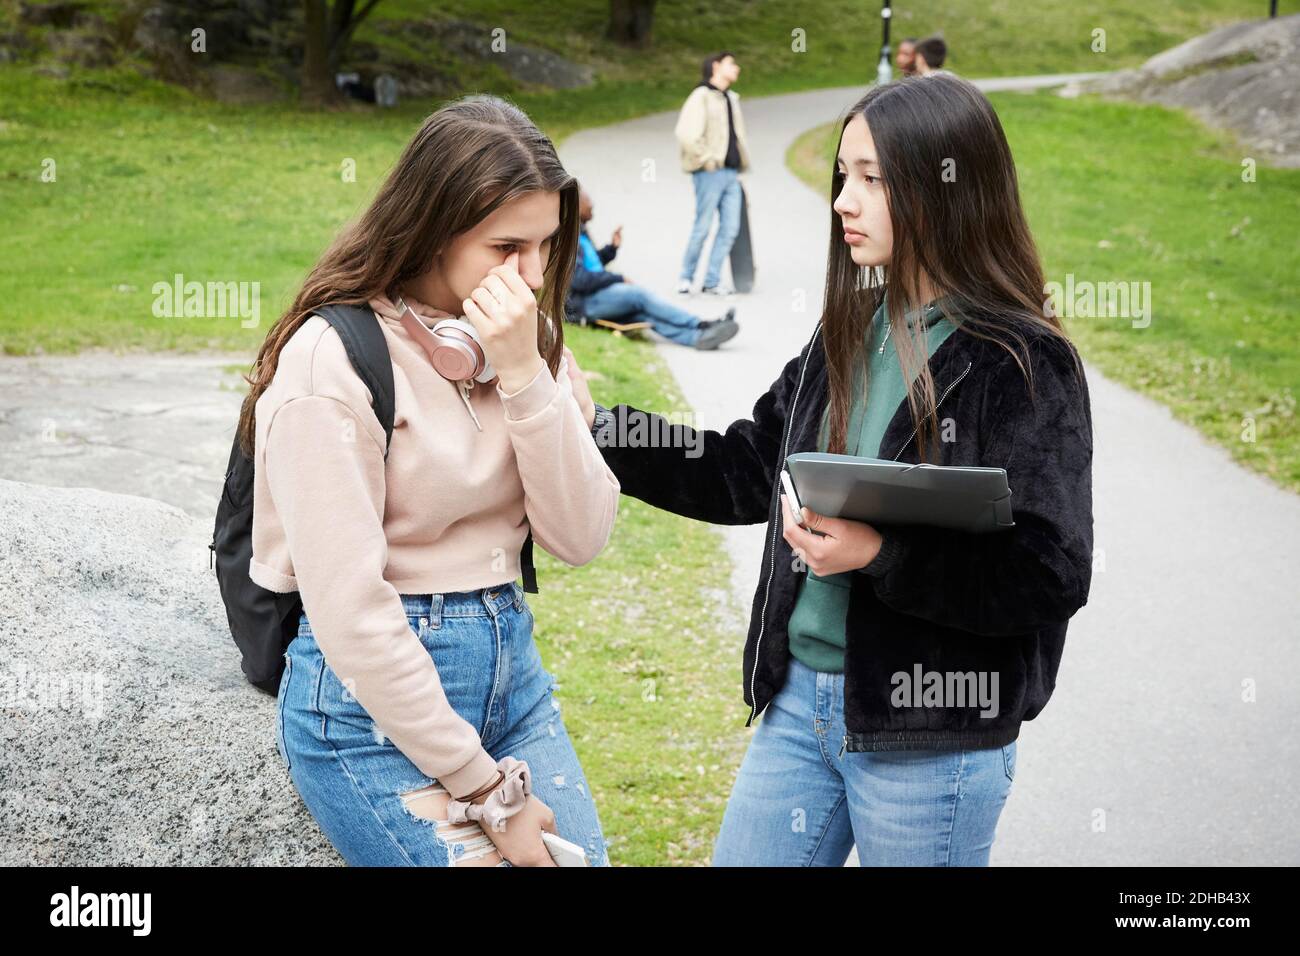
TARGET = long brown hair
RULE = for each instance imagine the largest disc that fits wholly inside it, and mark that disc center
(954, 204)
(467, 159)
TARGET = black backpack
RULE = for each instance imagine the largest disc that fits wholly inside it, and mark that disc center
(264, 622)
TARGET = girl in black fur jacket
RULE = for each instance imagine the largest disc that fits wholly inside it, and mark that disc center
(894, 665)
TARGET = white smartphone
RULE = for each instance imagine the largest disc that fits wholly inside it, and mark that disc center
(795, 507)
(562, 851)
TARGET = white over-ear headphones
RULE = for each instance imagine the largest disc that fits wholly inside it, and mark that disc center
(453, 346)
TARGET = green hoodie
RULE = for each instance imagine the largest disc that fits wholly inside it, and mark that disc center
(817, 622)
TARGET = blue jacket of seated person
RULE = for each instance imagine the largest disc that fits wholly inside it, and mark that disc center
(589, 273)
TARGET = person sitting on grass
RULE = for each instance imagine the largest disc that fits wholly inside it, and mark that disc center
(598, 293)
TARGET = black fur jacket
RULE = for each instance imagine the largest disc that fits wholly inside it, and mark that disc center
(959, 605)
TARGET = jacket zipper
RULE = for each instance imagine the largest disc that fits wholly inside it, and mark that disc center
(771, 542)
(936, 408)
(785, 451)
(845, 742)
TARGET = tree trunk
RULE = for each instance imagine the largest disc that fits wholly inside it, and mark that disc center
(631, 22)
(318, 87)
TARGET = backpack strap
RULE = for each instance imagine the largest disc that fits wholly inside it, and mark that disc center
(363, 338)
(526, 564)
(358, 327)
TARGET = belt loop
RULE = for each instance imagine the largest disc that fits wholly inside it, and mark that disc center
(435, 610)
(519, 596)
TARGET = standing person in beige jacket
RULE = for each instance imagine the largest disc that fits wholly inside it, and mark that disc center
(415, 717)
(711, 134)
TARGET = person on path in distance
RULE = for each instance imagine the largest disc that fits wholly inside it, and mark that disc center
(711, 134)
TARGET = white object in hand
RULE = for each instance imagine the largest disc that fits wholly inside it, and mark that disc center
(562, 851)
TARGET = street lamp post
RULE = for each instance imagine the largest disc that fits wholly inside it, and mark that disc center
(884, 71)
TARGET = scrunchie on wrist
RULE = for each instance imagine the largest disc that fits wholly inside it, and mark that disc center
(505, 801)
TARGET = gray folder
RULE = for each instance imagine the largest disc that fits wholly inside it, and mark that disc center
(884, 492)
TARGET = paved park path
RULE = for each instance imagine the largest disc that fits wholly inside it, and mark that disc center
(1147, 752)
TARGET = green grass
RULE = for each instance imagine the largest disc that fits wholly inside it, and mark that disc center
(650, 679)
(840, 43)
(154, 181)
(1124, 192)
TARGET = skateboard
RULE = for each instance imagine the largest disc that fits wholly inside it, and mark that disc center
(619, 328)
(742, 251)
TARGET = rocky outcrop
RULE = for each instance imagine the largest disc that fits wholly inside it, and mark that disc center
(129, 735)
(452, 44)
(1244, 77)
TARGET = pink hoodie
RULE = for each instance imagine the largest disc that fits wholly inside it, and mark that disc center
(448, 511)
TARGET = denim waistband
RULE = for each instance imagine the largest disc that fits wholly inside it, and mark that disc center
(481, 602)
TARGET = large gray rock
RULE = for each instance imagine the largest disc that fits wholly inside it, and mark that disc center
(1244, 77)
(129, 735)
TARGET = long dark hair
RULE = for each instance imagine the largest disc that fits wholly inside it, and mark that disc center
(965, 230)
(466, 160)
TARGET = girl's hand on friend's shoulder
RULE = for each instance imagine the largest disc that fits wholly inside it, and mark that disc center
(503, 309)
(840, 545)
(581, 391)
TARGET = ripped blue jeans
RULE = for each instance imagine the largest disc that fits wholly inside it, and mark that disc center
(369, 799)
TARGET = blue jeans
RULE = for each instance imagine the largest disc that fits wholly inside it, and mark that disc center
(622, 300)
(717, 189)
(350, 775)
(797, 803)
